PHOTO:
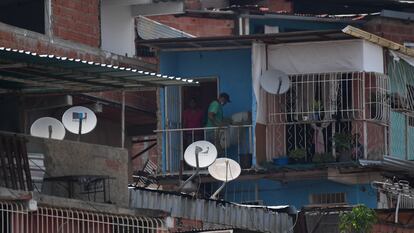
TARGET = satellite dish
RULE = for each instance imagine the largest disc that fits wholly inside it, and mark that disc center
(207, 154)
(275, 82)
(199, 154)
(79, 120)
(225, 169)
(48, 127)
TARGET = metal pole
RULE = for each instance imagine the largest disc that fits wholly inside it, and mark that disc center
(214, 196)
(397, 208)
(123, 121)
(197, 151)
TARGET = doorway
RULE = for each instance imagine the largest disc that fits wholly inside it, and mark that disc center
(204, 93)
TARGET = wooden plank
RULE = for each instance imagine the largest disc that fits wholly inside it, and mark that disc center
(3, 166)
(25, 159)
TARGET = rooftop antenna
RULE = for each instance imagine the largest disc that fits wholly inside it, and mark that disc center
(399, 189)
(48, 127)
(79, 120)
(275, 82)
(226, 170)
(199, 154)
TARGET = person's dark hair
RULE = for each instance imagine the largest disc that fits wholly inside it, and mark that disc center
(225, 96)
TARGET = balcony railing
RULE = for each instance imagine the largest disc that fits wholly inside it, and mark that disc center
(233, 141)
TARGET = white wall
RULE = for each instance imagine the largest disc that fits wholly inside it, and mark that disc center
(117, 30)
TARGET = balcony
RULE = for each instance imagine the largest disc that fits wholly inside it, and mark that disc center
(329, 117)
(233, 141)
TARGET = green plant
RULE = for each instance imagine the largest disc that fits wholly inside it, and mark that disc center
(359, 220)
(316, 105)
(297, 154)
(323, 158)
(343, 141)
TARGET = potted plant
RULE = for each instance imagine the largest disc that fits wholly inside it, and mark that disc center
(343, 144)
(359, 220)
(316, 108)
(297, 155)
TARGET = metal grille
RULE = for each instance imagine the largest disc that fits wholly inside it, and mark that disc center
(322, 105)
(402, 101)
(15, 217)
(328, 96)
(327, 198)
(14, 165)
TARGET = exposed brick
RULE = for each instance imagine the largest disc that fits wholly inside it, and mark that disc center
(279, 5)
(198, 26)
(396, 30)
(77, 20)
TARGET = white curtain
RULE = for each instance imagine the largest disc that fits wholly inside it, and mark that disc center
(258, 66)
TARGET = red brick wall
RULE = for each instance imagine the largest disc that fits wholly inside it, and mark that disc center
(391, 228)
(279, 5)
(198, 26)
(192, 4)
(77, 20)
(395, 30)
(181, 224)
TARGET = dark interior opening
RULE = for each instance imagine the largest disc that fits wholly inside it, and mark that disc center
(27, 14)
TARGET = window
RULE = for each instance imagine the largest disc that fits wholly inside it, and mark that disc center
(327, 198)
(27, 14)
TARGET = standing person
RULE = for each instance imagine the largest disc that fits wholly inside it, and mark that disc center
(215, 119)
(215, 110)
(192, 118)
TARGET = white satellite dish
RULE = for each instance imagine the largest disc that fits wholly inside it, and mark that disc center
(207, 154)
(275, 82)
(48, 127)
(79, 120)
(224, 169)
(199, 154)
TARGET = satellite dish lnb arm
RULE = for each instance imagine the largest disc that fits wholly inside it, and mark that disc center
(214, 196)
(197, 151)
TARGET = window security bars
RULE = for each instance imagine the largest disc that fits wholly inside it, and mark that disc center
(354, 106)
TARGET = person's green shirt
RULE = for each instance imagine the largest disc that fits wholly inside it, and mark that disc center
(216, 108)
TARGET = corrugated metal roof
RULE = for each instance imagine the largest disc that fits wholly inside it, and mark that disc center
(29, 72)
(392, 164)
(149, 29)
(210, 211)
(243, 41)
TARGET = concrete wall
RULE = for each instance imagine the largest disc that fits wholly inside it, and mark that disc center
(117, 25)
(65, 158)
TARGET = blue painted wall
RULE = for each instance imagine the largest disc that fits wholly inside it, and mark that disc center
(232, 67)
(297, 193)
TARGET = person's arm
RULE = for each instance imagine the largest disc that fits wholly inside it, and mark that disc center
(212, 118)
